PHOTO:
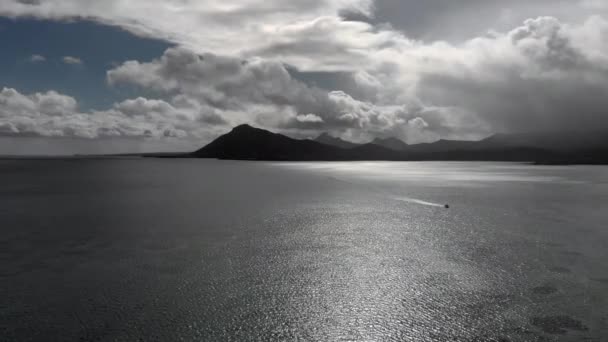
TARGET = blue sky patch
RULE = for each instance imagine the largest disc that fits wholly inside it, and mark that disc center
(99, 47)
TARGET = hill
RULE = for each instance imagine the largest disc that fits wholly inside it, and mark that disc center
(248, 143)
(392, 144)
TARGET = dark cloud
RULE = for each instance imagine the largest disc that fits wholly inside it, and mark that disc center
(461, 19)
(29, 2)
(548, 81)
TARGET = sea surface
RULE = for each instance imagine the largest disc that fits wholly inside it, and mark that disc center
(204, 250)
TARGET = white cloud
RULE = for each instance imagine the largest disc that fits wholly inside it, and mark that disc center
(225, 27)
(262, 92)
(37, 59)
(310, 118)
(51, 114)
(72, 60)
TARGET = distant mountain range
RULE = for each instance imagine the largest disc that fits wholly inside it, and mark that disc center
(248, 143)
(392, 144)
(327, 139)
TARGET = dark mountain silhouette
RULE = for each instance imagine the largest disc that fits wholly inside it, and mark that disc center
(327, 139)
(392, 144)
(248, 143)
(446, 145)
(559, 141)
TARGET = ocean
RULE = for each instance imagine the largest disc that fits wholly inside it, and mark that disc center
(167, 250)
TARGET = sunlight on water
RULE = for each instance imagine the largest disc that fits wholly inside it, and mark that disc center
(206, 250)
(466, 174)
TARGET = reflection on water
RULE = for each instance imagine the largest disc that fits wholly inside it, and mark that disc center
(442, 172)
(216, 250)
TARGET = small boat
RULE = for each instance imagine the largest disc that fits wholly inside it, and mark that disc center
(447, 206)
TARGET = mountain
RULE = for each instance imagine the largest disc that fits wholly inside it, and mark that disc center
(559, 141)
(327, 139)
(248, 143)
(392, 144)
(446, 145)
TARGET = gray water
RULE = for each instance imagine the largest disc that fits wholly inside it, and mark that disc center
(127, 250)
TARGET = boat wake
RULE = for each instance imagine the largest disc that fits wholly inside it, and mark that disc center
(417, 201)
(387, 194)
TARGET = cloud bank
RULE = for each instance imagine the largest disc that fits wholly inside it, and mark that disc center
(52, 114)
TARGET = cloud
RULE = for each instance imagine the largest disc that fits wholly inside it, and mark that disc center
(310, 34)
(543, 75)
(223, 82)
(37, 59)
(263, 92)
(51, 114)
(235, 63)
(459, 20)
(309, 118)
(206, 26)
(72, 60)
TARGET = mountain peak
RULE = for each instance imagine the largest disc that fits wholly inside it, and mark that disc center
(244, 127)
(245, 142)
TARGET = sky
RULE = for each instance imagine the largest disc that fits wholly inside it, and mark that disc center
(86, 76)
